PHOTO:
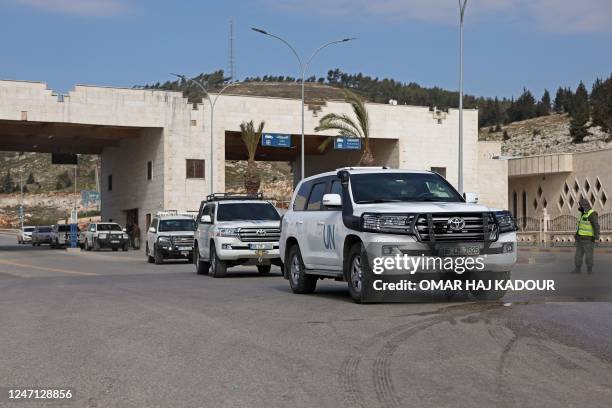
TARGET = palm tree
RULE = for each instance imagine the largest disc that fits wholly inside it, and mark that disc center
(251, 138)
(347, 126)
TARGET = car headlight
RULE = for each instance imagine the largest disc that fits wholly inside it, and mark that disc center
(164, 241)
(125, 236)
(392, 223)
(227, 232)
(505, 221)
(102, 236)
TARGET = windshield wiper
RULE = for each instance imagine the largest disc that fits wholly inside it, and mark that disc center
(377, 201)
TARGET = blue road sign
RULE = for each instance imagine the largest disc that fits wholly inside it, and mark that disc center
(90, 196)
(347, 143)
(275, 140)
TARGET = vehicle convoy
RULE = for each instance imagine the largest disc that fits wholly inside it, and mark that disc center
(339, 222)
(170, 236)
(60, 235)
(105, 235)
(41, 235)
(236, 230)
(25, 235)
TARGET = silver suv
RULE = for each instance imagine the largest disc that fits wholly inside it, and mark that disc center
(339, 222)
(170, 236)
(236, 230)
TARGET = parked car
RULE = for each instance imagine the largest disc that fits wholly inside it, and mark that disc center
(60, 236)
(338, 221)
(105, 235)
(41, 235)
(236, 230)
(25, 235)
(170, 236)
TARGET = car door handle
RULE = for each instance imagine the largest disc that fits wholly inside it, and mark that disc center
(299, 222)
(321, 223)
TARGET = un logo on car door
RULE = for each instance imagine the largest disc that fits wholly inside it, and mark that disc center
(329, 236)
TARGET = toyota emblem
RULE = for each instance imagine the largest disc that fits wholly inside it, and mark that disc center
(456, 224)
(260, 232)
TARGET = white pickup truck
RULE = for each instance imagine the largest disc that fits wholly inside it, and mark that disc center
(338, 222)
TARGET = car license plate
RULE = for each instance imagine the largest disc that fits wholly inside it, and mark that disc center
(463, 250)
(185, 253)
(261, 246)
(114, 242)
(184, 248)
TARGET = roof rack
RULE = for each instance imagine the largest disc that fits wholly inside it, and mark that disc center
(363, 168)
(167, 213)
(233, 196)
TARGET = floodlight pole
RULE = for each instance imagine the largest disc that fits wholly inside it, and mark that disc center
(303, 68)
(462, 4)
(212, 102)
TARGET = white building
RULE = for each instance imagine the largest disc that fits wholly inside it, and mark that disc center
(155, 145)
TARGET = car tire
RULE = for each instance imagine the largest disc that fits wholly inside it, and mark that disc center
(217, 266)
(356, 265)
(157, 256)
(124, 248)
(299, 281)
(490, 278)
(201, 266)
(150, 258)
(264, 269)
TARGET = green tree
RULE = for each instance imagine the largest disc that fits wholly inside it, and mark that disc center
(601, 104)
(30, 179)
(8, 185)
(251, 137)
(523, 108)
(359, 126)
(579, 114)
(543, 107)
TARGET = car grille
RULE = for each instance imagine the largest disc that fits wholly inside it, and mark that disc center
(259, 234)
(183, 241)
(116, 236)
(439, 227)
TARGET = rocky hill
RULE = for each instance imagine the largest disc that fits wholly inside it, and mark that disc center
(543, 135)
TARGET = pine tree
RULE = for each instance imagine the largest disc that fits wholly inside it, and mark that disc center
(30, 179)
(601, 104)
(8, 186)
(543, 108)
(558, 104)
(579, 114)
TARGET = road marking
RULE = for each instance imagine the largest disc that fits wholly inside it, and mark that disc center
(43, 268)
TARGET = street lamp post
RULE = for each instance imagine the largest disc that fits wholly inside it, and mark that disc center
(462, 4)
(303, 67)
(212, 102)
(21, 215)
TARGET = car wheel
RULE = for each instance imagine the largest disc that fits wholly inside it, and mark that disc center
(489, 278)
(201, 266)
(125, 248)
(299, 281)
(96, 245)
(217, 266)
(356, 266)
(264, 269)
(150, 259)
(158, 256)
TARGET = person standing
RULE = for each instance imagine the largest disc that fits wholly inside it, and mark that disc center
(135, 236)
(586, 236)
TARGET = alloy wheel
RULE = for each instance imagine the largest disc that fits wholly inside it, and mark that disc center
(356, 274)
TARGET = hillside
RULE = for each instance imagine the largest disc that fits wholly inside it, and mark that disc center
(543, 135)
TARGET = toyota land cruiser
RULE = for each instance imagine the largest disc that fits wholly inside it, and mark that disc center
(339, 222)
(105, 235)
(170, 236)
(236, 230)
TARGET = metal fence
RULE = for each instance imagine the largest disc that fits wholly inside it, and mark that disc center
(558, 231)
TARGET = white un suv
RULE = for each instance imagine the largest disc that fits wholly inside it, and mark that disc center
(236, 230)
(338, 222)
(170, 236)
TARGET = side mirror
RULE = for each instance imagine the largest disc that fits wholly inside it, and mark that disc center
(124, 230)
(152, 230)
(332, 200)
(471, 198)
(205, 219)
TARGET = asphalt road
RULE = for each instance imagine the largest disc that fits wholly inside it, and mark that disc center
(124, 333)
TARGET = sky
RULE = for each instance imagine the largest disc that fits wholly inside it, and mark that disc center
(509, 44)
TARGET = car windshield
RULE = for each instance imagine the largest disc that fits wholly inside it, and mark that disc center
(247, 212)
(177, 225)
(398, 187)
(28, 229)
(63, 228)
(109, 227)
(44, 229)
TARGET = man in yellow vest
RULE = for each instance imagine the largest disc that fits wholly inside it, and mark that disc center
(586, 235)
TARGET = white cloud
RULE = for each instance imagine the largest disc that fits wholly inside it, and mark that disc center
(559, 16)
(95, 8)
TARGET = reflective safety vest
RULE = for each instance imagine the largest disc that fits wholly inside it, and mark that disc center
(585, 228)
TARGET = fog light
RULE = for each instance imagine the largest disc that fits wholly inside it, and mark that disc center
(509, 247)
(226, 246)
(390, 250)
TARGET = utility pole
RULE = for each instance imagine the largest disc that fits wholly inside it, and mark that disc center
(231, 66)
(462, 4)
(21, 215)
